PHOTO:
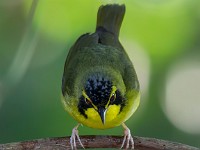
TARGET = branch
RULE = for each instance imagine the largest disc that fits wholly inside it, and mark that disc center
(63, 143)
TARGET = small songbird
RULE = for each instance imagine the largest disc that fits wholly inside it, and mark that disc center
(100, 87)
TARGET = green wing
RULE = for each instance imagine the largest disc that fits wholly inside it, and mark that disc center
(86, 50)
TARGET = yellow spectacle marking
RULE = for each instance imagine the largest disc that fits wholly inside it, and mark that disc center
(85, 96)
(114, 89)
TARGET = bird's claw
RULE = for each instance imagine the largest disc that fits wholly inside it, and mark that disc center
(73, 138)
(128, 139)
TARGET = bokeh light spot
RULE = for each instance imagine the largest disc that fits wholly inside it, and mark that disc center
(182, 103)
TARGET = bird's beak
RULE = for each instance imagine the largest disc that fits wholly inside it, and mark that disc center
(102, 113)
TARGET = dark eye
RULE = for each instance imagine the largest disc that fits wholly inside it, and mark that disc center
(113, 97)
(87, 101)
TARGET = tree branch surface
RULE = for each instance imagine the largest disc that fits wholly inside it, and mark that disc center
(93, 141)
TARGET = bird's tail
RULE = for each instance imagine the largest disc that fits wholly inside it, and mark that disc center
(110, 18)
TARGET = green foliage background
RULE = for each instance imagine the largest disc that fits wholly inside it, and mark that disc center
(34, 46)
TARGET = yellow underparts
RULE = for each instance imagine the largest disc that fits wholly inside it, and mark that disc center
(94, 120)
(113, 115)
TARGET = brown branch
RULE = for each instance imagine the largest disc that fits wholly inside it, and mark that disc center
(63, 143)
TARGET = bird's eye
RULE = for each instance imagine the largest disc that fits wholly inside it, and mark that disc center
(113, 97)
(87, 101)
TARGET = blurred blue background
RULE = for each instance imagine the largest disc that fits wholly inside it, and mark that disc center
(161, 37)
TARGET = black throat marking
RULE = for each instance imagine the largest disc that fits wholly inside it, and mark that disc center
(98, 89)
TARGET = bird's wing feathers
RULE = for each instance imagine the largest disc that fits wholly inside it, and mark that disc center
(86, 40)
(109, 21)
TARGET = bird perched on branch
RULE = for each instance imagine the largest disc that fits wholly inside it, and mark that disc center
(100, 87)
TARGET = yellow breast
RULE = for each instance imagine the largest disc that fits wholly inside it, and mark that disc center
(113, 115)
(94, 119)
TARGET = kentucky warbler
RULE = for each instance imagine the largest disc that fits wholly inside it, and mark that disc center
(99, 86)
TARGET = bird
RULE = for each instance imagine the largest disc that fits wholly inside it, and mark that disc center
(100, 87)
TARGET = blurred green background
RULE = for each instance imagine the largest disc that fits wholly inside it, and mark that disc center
(162, 38)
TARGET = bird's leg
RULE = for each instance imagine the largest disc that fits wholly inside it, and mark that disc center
(127, 138)
(74, 136)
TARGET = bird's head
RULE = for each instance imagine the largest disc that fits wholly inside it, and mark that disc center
(99, 93)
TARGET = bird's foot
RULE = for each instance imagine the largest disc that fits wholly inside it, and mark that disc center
(73, 138)
(128, 139)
